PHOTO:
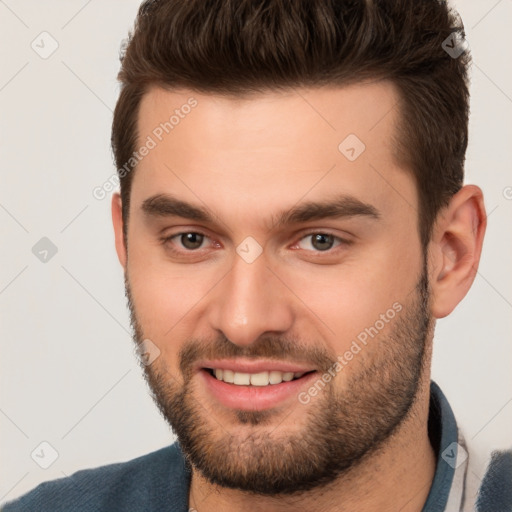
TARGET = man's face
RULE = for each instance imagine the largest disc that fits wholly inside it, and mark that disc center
(337, 302)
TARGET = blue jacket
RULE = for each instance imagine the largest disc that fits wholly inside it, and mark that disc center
(160, 480)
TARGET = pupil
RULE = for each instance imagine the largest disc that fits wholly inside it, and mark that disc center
(191, 240)
(321, 239)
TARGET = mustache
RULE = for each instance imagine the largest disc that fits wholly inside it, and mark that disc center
(268, 347)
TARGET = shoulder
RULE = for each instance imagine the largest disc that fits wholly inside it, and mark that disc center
(488, 481)
(495, 492)
(144, 483)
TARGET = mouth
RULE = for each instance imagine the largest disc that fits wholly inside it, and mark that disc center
(260, 379)
(257, 390)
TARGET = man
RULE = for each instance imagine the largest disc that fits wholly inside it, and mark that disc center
(292, 221)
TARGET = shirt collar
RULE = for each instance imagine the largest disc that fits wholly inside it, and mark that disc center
(447, 484)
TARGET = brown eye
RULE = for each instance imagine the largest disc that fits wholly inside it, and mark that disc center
(319, 242)
(322, 241)
(191, 240)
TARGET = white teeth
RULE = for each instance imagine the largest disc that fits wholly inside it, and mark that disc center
(228, 376)
(242, 379)
(275, 377)
(255, 379)
(259, 379)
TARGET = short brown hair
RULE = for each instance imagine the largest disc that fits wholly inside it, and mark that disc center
(239, 47)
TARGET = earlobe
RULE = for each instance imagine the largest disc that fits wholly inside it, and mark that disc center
(117, 221)
(455, 250)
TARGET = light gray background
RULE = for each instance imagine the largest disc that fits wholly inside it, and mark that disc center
(68, 372)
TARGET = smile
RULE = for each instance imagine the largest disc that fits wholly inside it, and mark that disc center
(265, 378)
(254, 386)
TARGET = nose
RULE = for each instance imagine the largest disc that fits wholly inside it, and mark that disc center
(250, 302)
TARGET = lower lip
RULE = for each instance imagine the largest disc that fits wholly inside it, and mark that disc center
(253, 398)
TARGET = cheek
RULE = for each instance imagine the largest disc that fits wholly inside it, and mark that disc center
(163, 298)
(159, 306)
(167, 297)
(352, 301)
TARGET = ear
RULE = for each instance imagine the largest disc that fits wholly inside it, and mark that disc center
(117, 220)
(455, 248)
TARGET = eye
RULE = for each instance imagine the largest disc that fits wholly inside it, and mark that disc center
(320, 242)
(190, 240)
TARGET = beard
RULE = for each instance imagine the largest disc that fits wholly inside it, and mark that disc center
(339, 429)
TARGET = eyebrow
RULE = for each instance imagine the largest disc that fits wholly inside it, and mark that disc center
(165, 205)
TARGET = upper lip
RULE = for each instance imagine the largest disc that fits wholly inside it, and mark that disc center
(252, 366)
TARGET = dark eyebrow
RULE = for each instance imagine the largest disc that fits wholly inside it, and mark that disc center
(341, 206)
(164, 205)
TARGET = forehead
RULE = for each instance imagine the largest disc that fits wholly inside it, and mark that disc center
(271, 148)
(273, 120)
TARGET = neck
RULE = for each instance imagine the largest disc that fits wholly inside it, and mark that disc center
(398, 476)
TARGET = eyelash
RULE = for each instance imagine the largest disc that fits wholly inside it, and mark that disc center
(166, 239)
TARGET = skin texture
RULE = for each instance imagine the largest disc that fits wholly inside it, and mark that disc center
(245, 160)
